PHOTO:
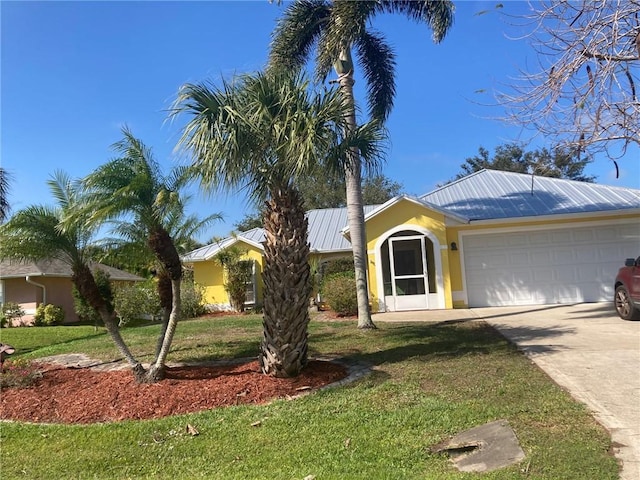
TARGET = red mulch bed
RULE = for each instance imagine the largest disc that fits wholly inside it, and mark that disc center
(68, 395)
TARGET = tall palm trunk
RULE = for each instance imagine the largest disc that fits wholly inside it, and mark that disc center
(85, 282)
(353, 178)
(164, 249)
(287, 286)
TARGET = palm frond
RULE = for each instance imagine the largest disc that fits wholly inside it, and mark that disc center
(296, 32)
(5, 179)
(437, 14)
(378, 63)
(369, 139)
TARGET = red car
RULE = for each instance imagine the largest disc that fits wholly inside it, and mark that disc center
(627, 296)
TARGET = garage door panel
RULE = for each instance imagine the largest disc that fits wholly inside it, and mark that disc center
(568, 265)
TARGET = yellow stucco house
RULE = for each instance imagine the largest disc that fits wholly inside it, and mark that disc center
(489, 239)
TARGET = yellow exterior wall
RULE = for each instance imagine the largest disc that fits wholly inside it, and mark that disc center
(210, 274)
(407, 214)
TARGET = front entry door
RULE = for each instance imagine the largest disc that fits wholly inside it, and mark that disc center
(409, 281)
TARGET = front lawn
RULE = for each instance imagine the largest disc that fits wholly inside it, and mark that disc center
(430, 381)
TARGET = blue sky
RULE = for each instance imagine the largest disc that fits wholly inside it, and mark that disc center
(73, 73)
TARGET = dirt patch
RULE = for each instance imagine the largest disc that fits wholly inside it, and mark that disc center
(84, 395)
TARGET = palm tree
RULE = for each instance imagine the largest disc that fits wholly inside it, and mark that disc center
(134, 185)
(334, 28)
(42, 232)
(261, 133)
(4, 192)
(130, 244)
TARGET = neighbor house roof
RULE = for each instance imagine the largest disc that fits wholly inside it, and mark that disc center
(484, 195)
(56, 268)
(492, 194)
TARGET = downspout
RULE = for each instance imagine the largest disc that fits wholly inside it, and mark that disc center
(44, 289)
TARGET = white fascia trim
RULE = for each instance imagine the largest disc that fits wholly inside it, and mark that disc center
(340, 250)
(561, 216)
(545, 226)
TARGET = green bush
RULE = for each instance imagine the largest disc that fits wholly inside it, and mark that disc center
(48, 315)
(85, 312)
(132, 302)
(337, 265)
(192, 296)
(339, 291)
(10, 311)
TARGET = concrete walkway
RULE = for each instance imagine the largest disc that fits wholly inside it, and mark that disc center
(584, 348)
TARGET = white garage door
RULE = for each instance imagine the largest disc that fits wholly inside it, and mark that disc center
(537, 267)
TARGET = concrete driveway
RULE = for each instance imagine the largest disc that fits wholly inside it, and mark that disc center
(588, 350)
(584, 348)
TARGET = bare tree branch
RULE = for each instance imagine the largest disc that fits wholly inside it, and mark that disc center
(582, 94)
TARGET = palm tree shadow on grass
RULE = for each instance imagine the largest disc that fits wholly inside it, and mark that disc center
(425, 342)
(242, 350)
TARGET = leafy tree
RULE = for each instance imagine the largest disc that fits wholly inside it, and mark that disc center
(42, 232)
(378, 189)
(334, 28)
(249, 221)
(134, 186)
(559, 163)
(262, 133)
(325, 191)
(583, 94)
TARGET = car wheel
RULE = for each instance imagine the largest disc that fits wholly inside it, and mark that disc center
(624, 305)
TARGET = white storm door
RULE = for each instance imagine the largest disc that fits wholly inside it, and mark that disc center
(408, 273)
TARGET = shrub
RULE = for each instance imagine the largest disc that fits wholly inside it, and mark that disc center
(337, 265)
(10, 311)
(132, 302)
(85, 311)
(48, 315)
(192, 296)
(339, 291)
(239, 274)
(19, 373)
(342, 267)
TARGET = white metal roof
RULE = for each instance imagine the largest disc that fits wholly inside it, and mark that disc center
(492, 194)
(484, 195)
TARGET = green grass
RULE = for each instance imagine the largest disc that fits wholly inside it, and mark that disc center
(430, 381)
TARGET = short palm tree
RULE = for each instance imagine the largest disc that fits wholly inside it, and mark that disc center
(262, 132)
(129, 243)
(334, 28)
(134, 185)
(42, 232)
